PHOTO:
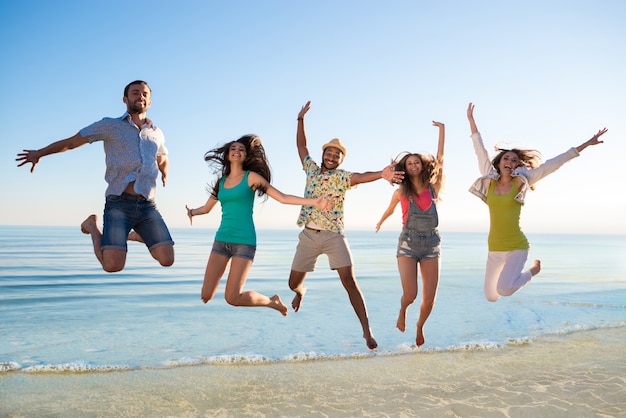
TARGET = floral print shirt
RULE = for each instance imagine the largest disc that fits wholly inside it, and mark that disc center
(333, 185)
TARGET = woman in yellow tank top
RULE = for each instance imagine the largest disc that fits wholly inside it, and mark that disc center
(503, 186)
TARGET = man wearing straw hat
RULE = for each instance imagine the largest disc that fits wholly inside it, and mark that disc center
(323, 230)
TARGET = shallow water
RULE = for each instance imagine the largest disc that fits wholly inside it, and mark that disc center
(59, 312)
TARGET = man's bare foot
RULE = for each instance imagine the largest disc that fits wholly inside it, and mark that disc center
(89, 224)
(536, 268)
(401, 323)
(134, 236)
(278, 304)
(419, 337)
(297, 299)
(370, 341)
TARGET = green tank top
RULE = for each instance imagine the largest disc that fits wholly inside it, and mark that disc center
(505, 233)
(237, 225)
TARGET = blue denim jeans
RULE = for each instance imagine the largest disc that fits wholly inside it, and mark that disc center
(126, 212)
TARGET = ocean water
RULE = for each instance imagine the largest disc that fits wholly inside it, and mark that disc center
(59, 312)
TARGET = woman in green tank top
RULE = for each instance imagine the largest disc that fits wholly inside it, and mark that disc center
(503, 186)
(243, 171)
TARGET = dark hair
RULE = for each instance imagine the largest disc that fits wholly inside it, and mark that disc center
(256, 161)
(429, 174)
(135, 82)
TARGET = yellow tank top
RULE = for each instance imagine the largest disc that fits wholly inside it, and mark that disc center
(505, 233)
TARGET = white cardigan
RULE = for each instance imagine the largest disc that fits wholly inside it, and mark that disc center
(528, 176)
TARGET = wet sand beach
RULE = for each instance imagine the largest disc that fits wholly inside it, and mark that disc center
(582, 374)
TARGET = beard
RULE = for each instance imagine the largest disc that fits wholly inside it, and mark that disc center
(136, 108)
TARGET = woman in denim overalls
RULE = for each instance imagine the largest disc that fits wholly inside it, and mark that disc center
(419, 243)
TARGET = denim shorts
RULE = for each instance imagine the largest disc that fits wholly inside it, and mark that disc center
(418, 245)
(234, 250)
(126, 212)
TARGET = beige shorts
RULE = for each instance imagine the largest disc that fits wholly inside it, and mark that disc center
(312, 244)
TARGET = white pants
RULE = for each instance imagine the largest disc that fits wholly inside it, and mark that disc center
(504, 275)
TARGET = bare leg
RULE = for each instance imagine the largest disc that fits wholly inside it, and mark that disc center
(164, 254)
(90, 227)
(134, 236)
(346, 274)
(296, 280)
(236, 296)
(430, 281)
(110, 260)
(215, 268)
(407, 267)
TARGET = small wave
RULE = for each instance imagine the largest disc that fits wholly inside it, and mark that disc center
(521, 340)
(475, 346)
(76, 367)
(572, 328)
(240, 359)
(9, 366)
(587, 304)
(218, 360)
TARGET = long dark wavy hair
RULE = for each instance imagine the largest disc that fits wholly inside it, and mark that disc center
(429, 175)
(256, 161)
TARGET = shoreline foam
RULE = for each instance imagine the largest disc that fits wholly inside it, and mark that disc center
(579, 374)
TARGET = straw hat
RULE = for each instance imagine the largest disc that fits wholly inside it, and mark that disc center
(336, 143)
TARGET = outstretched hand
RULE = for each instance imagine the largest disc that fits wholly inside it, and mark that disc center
(470, 111)
(28, 156)
(594, 139)
(304, 109)
(322, 203)
(189, 215)
(392, 176)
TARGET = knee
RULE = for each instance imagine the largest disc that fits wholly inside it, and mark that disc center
(408, 299)
(113, 260)
(429, 302)
(164, 255)
(295, 279)
(232, 300)
(505, 291)
(492, 298)
(167, 261)
(112, 267)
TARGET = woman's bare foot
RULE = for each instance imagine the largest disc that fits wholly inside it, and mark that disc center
(134, 236)
(419, 337)
(401, 322)
(297, 299)
(278, 304)
(369, 340)
(206, 298)
(89, 225)
(536, 268)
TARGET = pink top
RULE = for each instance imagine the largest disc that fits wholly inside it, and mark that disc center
(422, 200)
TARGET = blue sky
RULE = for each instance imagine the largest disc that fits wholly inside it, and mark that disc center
(543, 74)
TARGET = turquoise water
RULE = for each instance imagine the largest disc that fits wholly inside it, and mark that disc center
(60, 312)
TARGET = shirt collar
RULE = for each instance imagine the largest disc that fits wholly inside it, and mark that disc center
(126, 117)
